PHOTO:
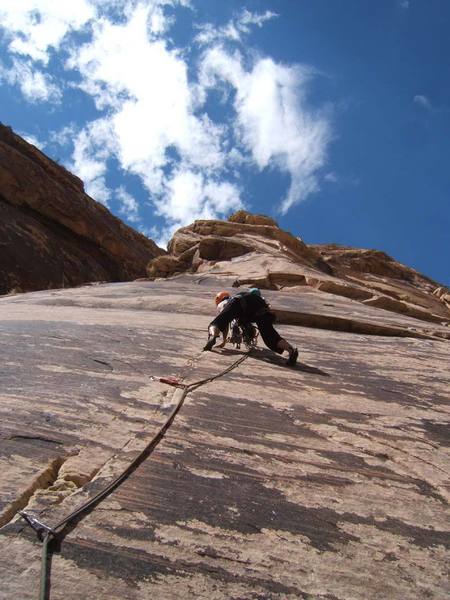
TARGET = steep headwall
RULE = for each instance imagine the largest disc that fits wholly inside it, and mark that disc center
(255, 251)
(52, 234)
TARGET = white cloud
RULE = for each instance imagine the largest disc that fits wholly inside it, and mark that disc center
(98, 190)
(63, 136)
(153, 119)
(405, 4)
(35, 85)
(93, 146)
(151, 103)
(234, 29)
(331, 177)
(188, 196)
(422, 101)
(273, 121)
(248, 18)
(35, 26)
(146, 86)
(31, 139)
(342, 180)
(129, 207)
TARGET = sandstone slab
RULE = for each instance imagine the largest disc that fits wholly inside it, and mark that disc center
(327, 481)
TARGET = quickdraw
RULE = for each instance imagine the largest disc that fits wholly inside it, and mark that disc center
(46, 533)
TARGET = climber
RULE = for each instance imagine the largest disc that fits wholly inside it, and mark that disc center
(248, 307)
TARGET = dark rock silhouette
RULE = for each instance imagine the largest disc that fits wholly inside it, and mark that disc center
(54, 235)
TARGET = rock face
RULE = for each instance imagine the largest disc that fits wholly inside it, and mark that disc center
(201, 246)
(249, 480)
(51, 233)
(254, 250)
(327, 481)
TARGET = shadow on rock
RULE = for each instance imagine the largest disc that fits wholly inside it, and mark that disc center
(270, 357)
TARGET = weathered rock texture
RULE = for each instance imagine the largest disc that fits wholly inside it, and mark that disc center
(51, 233)
(254, 250)
(327, 482)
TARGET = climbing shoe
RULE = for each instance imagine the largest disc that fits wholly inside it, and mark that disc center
(210, 343)
(293, 355)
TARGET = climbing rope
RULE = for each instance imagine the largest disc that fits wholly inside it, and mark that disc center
(46, 534)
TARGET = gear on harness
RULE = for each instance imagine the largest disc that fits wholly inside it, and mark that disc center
(250, 335)
(236, 335)
(246, 333)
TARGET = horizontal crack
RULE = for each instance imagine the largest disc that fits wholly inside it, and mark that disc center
(336, 323)
(34, 437)
(103, 362)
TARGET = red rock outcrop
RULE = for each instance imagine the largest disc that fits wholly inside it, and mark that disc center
(200, 246)
(52, 234)
(254, 250)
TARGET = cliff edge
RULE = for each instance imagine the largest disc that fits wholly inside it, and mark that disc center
(54, 235)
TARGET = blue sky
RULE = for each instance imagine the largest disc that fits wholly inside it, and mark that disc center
(333, 116)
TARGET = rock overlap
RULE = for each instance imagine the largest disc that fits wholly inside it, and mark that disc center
(199, 246)
(254, 250)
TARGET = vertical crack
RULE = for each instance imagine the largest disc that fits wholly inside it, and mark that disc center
(61, 478)
(42, 482)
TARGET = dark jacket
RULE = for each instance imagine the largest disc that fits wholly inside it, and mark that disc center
(243, 306)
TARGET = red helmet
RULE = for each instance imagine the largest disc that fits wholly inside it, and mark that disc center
(221, 296)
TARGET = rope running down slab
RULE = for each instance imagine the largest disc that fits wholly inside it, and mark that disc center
(47, 534)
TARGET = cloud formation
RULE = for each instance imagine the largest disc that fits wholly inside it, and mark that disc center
(152, 119)
(93, 146)
(152, 100)
(234, 30)
(274, 124)
(35, 85)
(129, 208)
(422, 101)
(36, 26)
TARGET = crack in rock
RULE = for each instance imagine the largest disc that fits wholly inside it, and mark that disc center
(62, 477)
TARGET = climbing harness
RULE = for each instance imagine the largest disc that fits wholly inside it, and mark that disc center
(46, 533)
(236, 335)
(247, 333)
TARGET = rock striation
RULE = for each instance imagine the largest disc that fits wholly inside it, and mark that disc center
(206, 244)
(52, 234)
(254, 250)
(328, 481)
(249, 480)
